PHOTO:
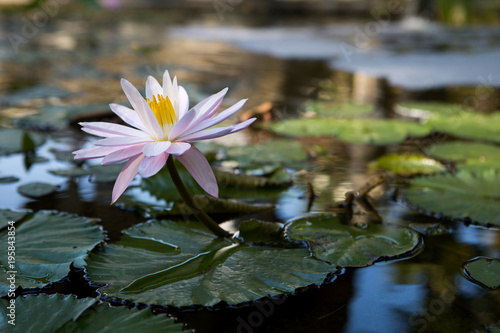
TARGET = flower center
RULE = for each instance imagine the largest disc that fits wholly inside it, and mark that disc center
(163, 110)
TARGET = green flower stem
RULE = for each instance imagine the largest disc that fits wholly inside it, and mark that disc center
(188, 200)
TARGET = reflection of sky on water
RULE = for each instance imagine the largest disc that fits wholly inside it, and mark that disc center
(412, 59)
(379, 304)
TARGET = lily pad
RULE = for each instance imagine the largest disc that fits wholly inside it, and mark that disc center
(206, 270)
(45, 313)
(12, 139)
(282, 152)
(468, 152)
(37, 189)
(8, 179)
(66, 313)
(46, 244)
(466, 195)
(7, 215)
(361, 131)
(347, 246)
(430, 229)
(262, 232)
(430, 109)
(72, 172)
(105, 173)
(408, 164)
(344, 110)
(484, 271)
(469, 126)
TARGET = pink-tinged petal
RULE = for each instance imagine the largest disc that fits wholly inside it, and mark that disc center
(151, 165)
(183, 102)
(211, 106)
(121, 141)
(156, 148)
(217, 119)
(126, 176)
(198, 167)
(178, 148)
(211, 133)
(181, 126)
(111, 130)
(94, 152)
(122, 154)
(128, 115)
(153, 88)
(242, 125)
(143, 110)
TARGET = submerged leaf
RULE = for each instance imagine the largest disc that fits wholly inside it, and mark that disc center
(484, 271)
(46, 244)
(466, 195)
(205, 271)
(408, 164)
(346, 245)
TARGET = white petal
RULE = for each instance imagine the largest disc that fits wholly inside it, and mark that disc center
(183, 102)
(129, 116)
(217, 119)
(111, 130)
(151, 165)
(126, 176)
(156, 148)
(153, 88)
(198, 167)
(181, 126)
(178, 148)
(94, 152)
(243, 125)
(143, 110)
(122, 154)
(211, 133)
(121, 141)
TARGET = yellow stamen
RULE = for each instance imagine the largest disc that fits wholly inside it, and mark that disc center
(163, 110)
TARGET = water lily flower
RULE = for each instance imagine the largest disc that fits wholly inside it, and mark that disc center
(162, 125)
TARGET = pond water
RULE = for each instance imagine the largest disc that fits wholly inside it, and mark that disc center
(68, 69)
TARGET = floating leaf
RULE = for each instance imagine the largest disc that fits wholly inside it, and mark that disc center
(36, 189)
(430, 109)
(470, 152)
(484, 271)
(45, 313)
(282, 152)
(7, 215)
(466, 195)
(14, 141)
(66, 313)
(103, 318)
(346, 245)
(279, 178)
(257, 232)
(105, 173)
(344, 110)
(362, 131)
(408, 164)
(205, 271)
(469, 126)
(430, 229)
(8, 179)
(46, 244)
(72, 172)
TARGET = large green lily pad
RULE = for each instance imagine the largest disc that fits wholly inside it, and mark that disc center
(343, 110)
(66, 313)
(468, 152)
(7, 215)
(13, 140)
(484, 271)
(346, 245)
(466, 195)
(46, 243)
(408, 164)
(43, 313)
(191, 266)
(361, 131)
(469, 126)
(430, 109)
